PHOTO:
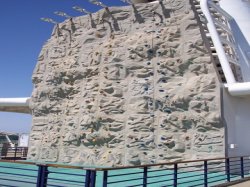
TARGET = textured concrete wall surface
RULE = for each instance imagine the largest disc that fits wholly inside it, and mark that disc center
(131, 86)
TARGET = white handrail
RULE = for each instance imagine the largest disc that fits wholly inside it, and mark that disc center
(234, 88)
(15, 102)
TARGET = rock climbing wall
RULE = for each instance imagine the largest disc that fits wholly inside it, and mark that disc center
(126, 86)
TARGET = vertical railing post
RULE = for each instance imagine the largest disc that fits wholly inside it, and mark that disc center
(105, 178)
(92, 178)
(242, 167)
(205, 173)
(87, 178)
(42, 177)
(145, 176)
(175, 175)
(228, 169)
(15, 151)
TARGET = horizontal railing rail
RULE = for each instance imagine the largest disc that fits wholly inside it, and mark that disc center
(13, 153)
(203, 172)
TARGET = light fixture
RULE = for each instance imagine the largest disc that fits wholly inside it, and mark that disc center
(80, 9)
(95, 2)
(49, 20)
(62, 14)
(126, 1)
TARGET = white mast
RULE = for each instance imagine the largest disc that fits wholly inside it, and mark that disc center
(9, 141)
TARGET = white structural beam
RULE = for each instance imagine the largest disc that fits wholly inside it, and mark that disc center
(19, 105)
(14, 101)
(239, 89)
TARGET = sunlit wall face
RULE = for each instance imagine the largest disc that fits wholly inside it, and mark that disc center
(240, 10)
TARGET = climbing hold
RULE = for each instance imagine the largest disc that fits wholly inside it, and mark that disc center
(110, 52)
(167, 110)
(163, 138)
(150, 51)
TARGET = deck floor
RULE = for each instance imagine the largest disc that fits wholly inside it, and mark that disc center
(243, 184)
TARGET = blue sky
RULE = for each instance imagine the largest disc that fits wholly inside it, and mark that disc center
(22, 35)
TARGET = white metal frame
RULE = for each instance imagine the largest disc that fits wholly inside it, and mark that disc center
(234, 88)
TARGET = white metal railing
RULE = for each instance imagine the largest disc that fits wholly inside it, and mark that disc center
(225, 46)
